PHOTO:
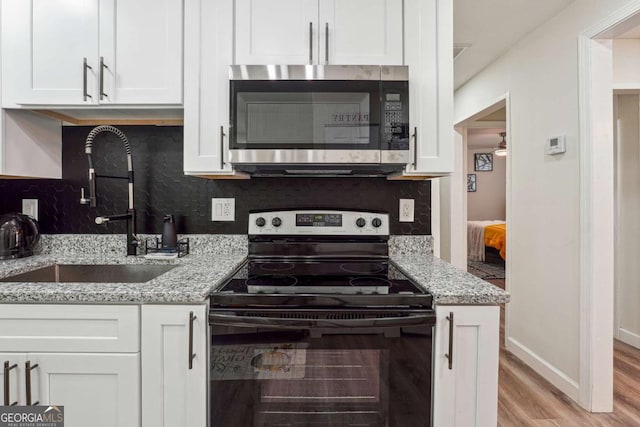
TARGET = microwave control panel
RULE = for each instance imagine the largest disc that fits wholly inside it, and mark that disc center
(396, 119)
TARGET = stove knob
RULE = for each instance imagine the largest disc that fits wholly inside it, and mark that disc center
(360, 222)
(377, 222)
(276, 222)
(260, 222)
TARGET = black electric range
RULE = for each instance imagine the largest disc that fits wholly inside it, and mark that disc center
(320, 258)
(319, 327)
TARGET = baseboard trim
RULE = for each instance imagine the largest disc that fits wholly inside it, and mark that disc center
(629, 337)
(559, 379)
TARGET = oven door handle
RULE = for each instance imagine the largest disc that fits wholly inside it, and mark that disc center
(278, 323)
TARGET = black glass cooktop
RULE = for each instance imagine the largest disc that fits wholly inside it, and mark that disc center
(351, 282)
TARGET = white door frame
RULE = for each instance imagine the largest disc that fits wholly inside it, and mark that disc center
(459, 210)
(597, 208)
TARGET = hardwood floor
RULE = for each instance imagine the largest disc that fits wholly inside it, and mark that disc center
(527, 399)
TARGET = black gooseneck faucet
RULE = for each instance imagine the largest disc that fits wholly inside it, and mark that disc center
(130, 216)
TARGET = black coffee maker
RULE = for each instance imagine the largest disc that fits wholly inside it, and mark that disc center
(18, 235)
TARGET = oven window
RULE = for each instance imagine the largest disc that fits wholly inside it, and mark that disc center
(305, 115)
(262, 378)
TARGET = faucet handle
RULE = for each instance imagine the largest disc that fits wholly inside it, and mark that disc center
(102, 220)
(83, 200)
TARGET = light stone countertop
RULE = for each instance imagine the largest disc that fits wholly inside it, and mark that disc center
(193, 279)
(447, 283)
(199, 273)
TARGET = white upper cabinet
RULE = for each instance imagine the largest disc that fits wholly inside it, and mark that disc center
(361, 32)
(141, 43)
(276, 31)
(64, 52)
(208, 55)
(319, 32)
(45, 44)
(428, 35)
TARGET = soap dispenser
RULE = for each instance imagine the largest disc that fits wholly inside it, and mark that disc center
(169, 236)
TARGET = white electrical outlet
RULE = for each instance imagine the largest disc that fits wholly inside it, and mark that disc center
(30, 207)
(406, 210)
(223, 209)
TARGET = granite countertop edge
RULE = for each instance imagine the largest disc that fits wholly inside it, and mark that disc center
(191, 282)
(197, 276)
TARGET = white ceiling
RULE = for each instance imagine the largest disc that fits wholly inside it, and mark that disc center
(492, 26)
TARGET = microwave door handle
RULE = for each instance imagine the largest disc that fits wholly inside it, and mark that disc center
(278, 323)
(222, 135)
(415, 148)
(310, 43)
(326, 43)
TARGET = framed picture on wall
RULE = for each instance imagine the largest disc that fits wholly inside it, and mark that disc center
(471, 182)
(483, 162)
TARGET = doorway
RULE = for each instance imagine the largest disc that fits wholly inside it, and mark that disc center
(490, 202)
(486, 170)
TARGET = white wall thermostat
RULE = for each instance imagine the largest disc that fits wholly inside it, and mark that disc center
(555, 145)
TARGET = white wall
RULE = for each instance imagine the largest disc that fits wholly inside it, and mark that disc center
(540, 73)
(627, 221)
(489, 199)
(626, 64)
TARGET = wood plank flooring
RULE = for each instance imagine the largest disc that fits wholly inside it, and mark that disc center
(527, 399)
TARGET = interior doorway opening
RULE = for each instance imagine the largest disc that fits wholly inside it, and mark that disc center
(486, 170)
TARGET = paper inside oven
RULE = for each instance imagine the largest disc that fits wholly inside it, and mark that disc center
(258, 362)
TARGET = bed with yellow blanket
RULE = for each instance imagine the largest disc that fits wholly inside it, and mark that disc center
(482, 234)
(495, 236)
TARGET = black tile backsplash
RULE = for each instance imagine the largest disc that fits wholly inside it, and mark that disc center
(161, 187)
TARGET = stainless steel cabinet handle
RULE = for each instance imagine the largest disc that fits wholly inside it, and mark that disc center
(192, 356)
(326, 43)
(85, 66)
(102, 68)
(310, 42)
(415, 148)
(449, 355)
(27, 381)
(222, 135)
(7, 383)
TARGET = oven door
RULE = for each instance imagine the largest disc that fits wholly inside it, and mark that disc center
(313, 368)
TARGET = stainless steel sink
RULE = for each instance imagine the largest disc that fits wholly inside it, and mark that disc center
(61, 273)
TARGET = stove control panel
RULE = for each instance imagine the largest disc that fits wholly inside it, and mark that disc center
(319, 222)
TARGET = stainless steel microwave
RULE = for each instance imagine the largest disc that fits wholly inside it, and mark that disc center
(306, 120)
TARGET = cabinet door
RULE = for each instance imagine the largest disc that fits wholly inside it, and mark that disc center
(16, 377)
(467, 392)
(276, 31)
(98, 390)
(361, 32)
(141, 47)
(174, 392)
(208, 55)
(45, 43)
(428, 41)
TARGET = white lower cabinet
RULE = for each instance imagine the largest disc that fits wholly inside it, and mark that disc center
(174, 372)
(87, 385)
(85, 358)
(466, 387)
